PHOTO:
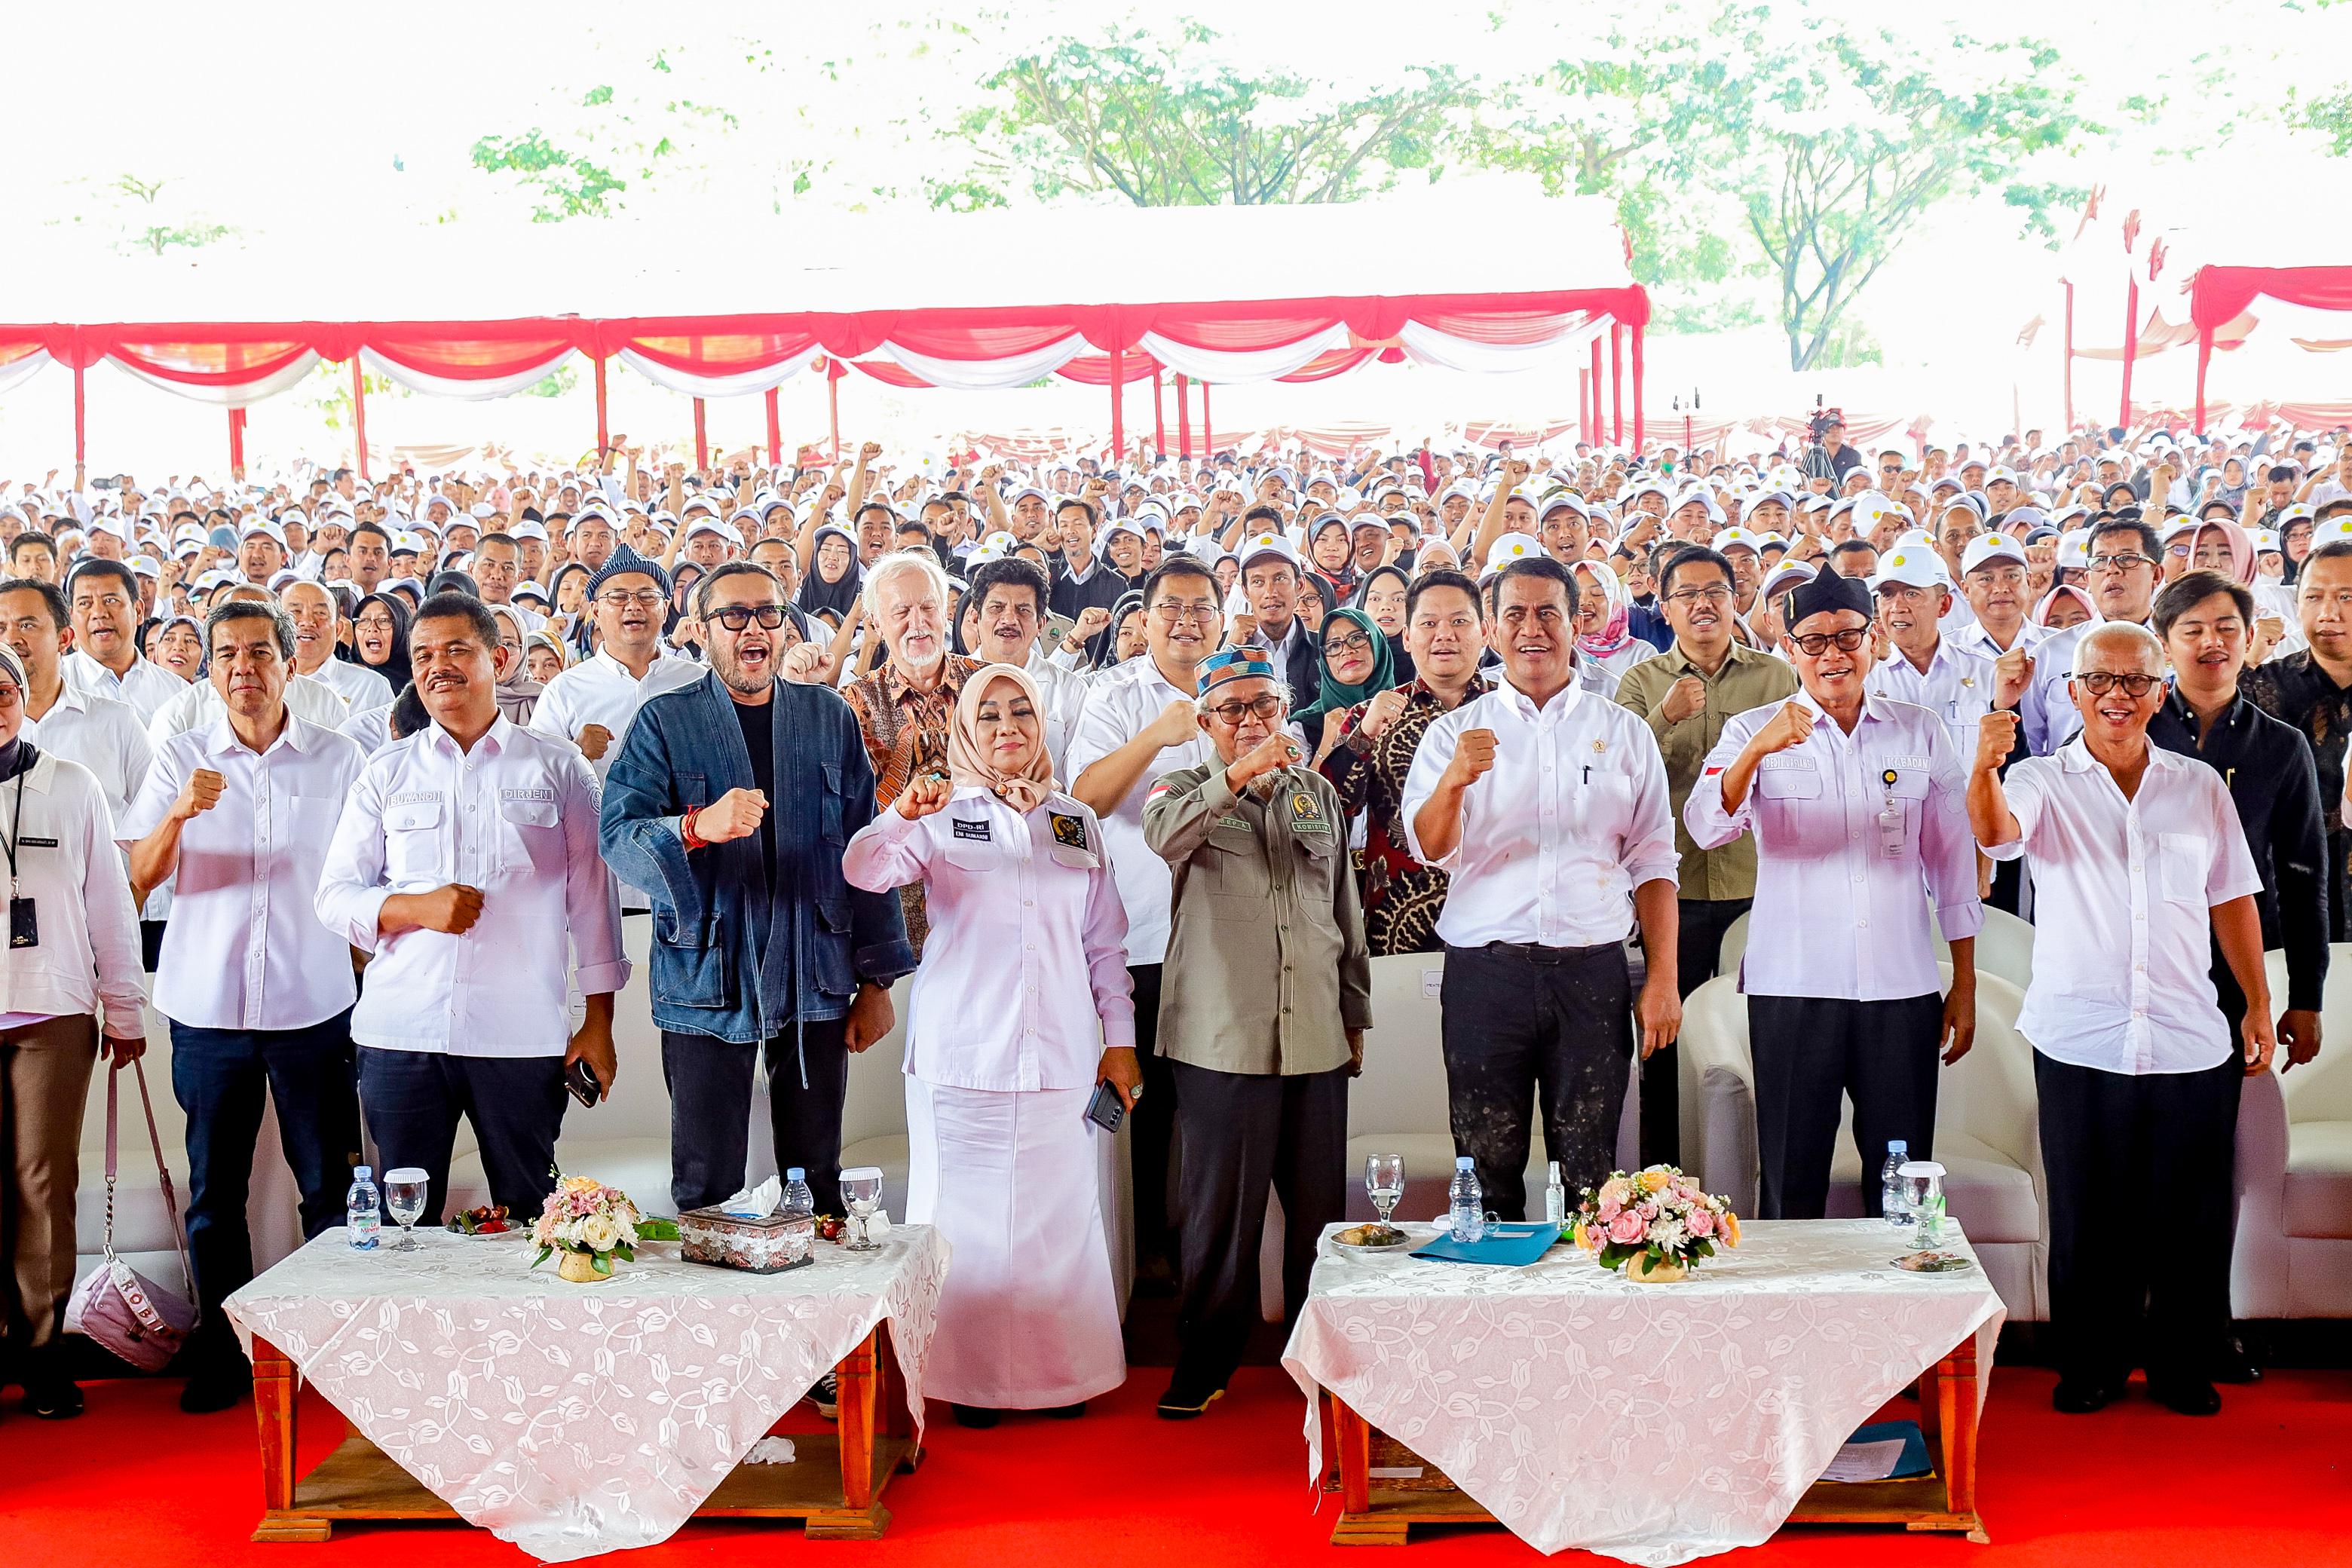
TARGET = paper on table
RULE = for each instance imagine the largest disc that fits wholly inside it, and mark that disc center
(1865, 1461)
(755, 1203)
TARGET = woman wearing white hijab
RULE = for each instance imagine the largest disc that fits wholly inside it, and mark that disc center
(1022, 1006)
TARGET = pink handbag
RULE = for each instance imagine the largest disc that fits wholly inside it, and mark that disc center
(115, 1305)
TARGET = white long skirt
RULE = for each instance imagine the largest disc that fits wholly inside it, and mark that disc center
(1028, 1319)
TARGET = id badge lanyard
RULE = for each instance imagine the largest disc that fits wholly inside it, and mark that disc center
(23, 930)
(1890, 821)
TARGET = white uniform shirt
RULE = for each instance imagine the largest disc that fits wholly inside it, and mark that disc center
(359, 687)
(103, 735)
(198, 705)
(1555, 838)
(1836, 916)
(600, 689)
(1023, 980)
(369, 729)
(2123, 890)
(1974, 638)
(1956, 687)
(1121, 703)
(515, 817)
(2047, 714)
(1064, 694)
(245, 948)
(145, 686)
(68, 865)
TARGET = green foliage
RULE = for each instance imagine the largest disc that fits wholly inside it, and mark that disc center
(152, 227)
(2331, 116)
(1179, 121)
(564, 378)
(564, 184)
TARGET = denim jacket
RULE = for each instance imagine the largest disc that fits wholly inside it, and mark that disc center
(727, 960)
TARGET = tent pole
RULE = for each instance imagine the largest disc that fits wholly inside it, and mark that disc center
(1117, 398)
(1583, 405)
(2131, 347)
(81, 433)
(359, 415)
(1616, 384)
(701, 440)
(1208, 446)
(1183, 415)
(1592, 431)
(603, 436)
(1638, 431)
(237, 445)
(1159, 414)
(2068, 382)
(775, 431)
(2204, 358)
(832, 402)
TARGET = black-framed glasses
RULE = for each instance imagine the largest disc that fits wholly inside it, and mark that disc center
(1355, 642)
(1230, 714)
(735, 617)
(1812, 645)
(2123, 563)
(2099, 682)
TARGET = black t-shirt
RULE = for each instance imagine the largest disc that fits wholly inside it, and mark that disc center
(759, 723)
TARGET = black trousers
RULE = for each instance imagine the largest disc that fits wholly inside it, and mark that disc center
(1151, 1130)
(709, 1082)
(1809, 1054)
(1698, 950)
(413, 1099)
(222, 1079)
(2130, 1160)
(1524, 1025)
(1241, 1134)
(2009, 886)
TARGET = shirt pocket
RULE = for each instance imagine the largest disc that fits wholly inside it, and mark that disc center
(2181, 858)
(1237, 874)
(976, 855)
(1319, 859)
(829, 806)
(531, 837)
(413, 838)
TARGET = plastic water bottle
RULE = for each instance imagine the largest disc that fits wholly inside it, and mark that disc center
(1894, 1203)
(1555, 1196)
(1467, 1200)
(798, 1210)
(363, 1209)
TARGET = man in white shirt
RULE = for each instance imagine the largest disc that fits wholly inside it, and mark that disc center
(257, 992)
(1552, 858)
(101, 734)
(102, 597)
(1856, 801)
(316, 615)
(1139, 721)
(465, 856)
(2140, 867)
(1013, 598)
(1927, 668)
(1272, 579)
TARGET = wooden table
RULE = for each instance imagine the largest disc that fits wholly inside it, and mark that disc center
(1379, 1514)
(834, 1485)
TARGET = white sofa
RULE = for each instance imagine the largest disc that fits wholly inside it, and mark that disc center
(2292, 1256)
(1986, 1137)
(2005, 947)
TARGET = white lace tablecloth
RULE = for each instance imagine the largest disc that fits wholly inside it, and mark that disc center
(1651, 1423)
(574, 1419)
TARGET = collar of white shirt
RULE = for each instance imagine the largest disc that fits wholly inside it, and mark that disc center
(1564, 702)
(221, 739)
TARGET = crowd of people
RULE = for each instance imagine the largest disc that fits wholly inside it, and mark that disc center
(1135, 768)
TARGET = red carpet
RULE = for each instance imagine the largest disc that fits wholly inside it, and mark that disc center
(137, 1484)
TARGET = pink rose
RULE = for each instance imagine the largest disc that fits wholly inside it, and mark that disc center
(1647, 1209)
(1701, 1221)
(1627, 1227)
(1610, 1209)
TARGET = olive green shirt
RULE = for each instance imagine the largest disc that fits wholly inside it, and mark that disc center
(1748, 679)
(1266, 966)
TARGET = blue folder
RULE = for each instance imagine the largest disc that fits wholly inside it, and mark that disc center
(1511, 1246)
(1913, 1462)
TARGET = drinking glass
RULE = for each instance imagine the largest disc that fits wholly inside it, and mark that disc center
(1923, 1188)
(403, 1199)
(1385, 1182)
(861, 1189)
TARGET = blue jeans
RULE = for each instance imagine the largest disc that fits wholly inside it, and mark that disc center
(219, 1077)
(413, 1099)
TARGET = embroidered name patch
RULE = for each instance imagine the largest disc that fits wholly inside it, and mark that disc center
(29, 842)
(535, 792)
(419, 797)
(975, 829)
(1069, 831)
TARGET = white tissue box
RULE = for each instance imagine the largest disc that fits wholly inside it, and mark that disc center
(767, 1246)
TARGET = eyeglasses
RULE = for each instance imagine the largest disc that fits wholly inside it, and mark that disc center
(1199, 610)
(1355, 643)
(735, 617)
(621, 599)
(2099, 682)
(1812, 645)
(1688, 596)
(1230, 714)
(2118, 563)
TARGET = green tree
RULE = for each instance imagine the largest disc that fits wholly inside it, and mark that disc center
(564, 185)
(156, 228)
(1180, 120)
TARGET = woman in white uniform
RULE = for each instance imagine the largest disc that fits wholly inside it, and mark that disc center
(1023, 1004)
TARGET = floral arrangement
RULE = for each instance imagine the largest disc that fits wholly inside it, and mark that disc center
(585, 1218)
(1653, 1222)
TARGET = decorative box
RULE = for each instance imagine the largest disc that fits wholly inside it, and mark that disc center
(769, 1246)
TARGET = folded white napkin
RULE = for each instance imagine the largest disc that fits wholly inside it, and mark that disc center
(755, 1203)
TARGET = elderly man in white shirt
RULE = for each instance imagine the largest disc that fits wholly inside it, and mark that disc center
(102, 597)
(316, 615)
(465, 854)
(1548, 807)
(1139, 721)
(1857, 805)
(257, 992)
(2140, 868)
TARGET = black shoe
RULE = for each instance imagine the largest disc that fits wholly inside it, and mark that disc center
(52, 1396)
(827, 1397)
(1066, 1412)
(219, 1385)
(2234, 1365)
(977, 1416)
(1186, 1398)
(2081, 1397)
(2185, 1395)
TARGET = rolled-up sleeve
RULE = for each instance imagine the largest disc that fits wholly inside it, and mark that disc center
(592, 903)
(1710, 826)
(351, 889)
(2023, 788)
